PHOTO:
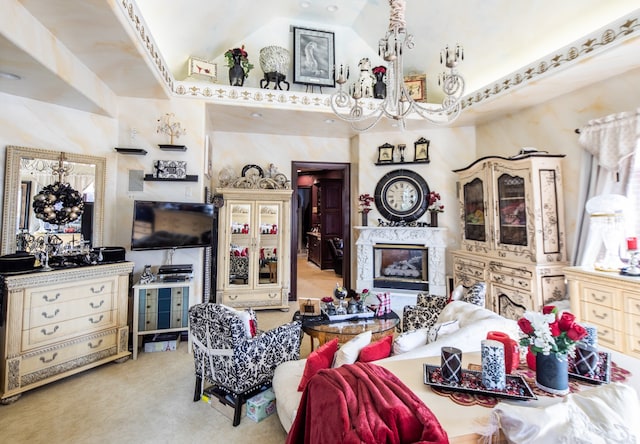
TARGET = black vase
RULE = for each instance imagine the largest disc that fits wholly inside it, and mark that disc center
(236, 74)
(380, 88)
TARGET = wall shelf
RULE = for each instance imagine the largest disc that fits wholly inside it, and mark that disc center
(401, 163)
(173, 147)
(188, 178)
(134, 151)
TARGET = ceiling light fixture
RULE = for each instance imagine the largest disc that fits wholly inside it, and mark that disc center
(398, 103)
(332, 8)
(256, 115)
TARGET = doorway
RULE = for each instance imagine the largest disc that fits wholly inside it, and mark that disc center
(335, 222)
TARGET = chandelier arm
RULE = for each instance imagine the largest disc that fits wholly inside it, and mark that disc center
(398, 104)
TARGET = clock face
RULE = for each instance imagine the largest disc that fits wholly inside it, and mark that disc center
(401, 195)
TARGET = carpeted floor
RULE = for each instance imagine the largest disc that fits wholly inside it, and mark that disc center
(144, 401)
(149, 400)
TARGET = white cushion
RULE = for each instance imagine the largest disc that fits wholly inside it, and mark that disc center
(409, 340)
(348, 352)
(244, 316)
(606, 414)
(457, 293)
(442, 329)
(285, 382)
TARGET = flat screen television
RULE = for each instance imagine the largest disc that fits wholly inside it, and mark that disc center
(166, 225)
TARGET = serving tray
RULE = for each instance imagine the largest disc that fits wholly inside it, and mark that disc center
(350, 316)
(602, 374)
(517, 387)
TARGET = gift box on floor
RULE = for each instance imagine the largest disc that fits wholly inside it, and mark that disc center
(261, 405)
(162, 342)
(214, 397)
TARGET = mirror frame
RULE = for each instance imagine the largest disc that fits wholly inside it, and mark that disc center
(12, 183)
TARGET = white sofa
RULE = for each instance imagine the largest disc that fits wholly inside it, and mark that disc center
(474, 323)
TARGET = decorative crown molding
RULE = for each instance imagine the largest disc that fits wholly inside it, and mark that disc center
(612, 35)
(607, 37)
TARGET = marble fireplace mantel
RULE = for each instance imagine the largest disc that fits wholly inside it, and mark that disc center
(432, 238)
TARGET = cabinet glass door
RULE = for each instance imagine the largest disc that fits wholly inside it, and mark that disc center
(512, 210)
(240, 248)
(474, 211)
(268, 242)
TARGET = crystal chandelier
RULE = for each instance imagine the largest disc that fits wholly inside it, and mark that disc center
(398, 103)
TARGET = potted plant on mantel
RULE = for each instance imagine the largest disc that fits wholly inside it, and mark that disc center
(435, 207)
(364, 204)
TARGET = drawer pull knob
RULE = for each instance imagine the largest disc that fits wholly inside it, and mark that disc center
(602, 316)
(55, 313)
(94, 291)
(47, 299)
(596, 298)
(46, 361)
(44, 331)
(95, 346)
(96, 305)
(95, 322)
(234, 297)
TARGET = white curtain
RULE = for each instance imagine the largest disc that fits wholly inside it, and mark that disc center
(610, 144)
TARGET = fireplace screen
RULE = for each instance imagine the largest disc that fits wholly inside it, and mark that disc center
(403, 267)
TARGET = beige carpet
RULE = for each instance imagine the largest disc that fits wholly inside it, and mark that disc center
(149, 400)
(144, 401)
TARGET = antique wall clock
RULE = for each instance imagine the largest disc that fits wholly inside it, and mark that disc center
(402, 195)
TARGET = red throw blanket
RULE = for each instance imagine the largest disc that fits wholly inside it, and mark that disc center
(362, 403)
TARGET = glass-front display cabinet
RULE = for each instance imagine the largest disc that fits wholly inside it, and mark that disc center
(254, 243)
(512, 220)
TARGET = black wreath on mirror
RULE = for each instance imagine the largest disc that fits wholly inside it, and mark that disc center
(58, 204)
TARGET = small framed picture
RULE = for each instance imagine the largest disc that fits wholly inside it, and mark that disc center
(203, 69)
(416, 87)
(313, 57)
(385, 153)
(310, 307)
(422, 150)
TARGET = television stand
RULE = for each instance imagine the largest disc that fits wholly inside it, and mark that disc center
(161, 307)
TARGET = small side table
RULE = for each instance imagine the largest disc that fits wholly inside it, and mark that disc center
(324, 330)
(160, 307)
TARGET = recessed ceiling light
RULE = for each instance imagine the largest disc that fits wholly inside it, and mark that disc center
(9, 75)
(332, 8)
(329, 121)
(256, 115)
(305, 4)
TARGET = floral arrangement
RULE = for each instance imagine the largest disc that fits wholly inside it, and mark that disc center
(327, 299)
(362, 296)
(379, 70)
(552, 331)
(364, 202)
(244, 59)
(434, 203)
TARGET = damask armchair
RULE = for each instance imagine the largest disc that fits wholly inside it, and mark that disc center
(233, 356)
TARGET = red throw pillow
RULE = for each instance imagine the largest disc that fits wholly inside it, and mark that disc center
(317, 360)
(376, 350)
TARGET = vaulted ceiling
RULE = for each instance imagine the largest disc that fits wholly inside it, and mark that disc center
(501, 38)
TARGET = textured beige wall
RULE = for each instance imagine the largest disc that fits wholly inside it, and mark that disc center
(551, 127)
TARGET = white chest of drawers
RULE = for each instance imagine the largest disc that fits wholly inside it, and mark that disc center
(58, 323)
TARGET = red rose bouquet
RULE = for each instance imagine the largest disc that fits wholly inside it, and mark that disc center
(552, 331)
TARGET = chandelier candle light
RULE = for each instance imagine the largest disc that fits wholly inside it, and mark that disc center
(398, 103)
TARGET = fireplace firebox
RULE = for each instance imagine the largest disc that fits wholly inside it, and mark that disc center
(403, 267)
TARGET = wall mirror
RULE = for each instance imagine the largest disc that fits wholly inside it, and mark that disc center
(28, 170)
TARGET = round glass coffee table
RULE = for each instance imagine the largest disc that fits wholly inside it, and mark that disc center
(324, 330)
